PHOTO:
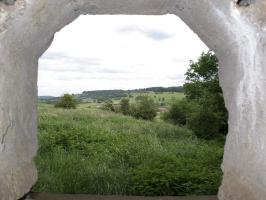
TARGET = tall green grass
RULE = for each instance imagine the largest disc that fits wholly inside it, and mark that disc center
(97, 152)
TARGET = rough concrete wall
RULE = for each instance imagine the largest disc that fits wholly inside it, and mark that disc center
(236, 33)
(242, 76)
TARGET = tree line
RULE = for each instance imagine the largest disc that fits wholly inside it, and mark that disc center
(105, 95)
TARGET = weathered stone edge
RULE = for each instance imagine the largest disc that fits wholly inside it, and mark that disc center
(16, 181)
(235, 186)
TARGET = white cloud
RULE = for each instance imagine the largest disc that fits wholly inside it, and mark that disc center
(118, 52)
(156, 35)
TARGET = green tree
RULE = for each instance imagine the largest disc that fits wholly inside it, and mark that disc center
(67, 101)
(125, 106)
(139, 97)
(145, 108)
(177, 113)
(204, 122)
(202, 87)
(109, 106)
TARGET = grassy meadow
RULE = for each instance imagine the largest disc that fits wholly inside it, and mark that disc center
(88, 150)
(162, 99)
(165, 98)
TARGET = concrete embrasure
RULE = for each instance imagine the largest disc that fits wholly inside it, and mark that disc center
(94, 197)
(236, 32)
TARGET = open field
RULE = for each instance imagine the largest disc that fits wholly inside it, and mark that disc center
(88, 150)
(162, 99)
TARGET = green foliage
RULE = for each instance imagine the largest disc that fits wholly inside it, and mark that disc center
(203, 88)
(100, 100)
(176, 175)
(144, 108)
(67, 101)
(203, 109)
(204, 122)
(202, 77)
(97, 152)
(109, 106)
(125, 106)
(140, 97)
(105, 95)
(177, 113)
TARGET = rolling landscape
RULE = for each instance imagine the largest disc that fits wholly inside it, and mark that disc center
(88, 150)
(144, 142)
(99, 96)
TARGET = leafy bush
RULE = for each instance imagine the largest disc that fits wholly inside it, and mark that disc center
(109, 106)
(170, 175)
(125, 106)
(139, 97)
(144, 108)
(177, 113)
(204, 123)
(67, 101)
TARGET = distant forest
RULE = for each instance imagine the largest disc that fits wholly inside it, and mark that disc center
(118, 94)
(103, 95)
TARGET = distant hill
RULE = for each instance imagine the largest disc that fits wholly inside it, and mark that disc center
(160, 89)
(103, 95)
(47, 99)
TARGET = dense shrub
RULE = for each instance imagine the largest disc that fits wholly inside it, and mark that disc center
(204, 123)
(140, 97)
(201, 119)
(144, 108)
(177, 113)
(125, 106)
(170, 175)
(109, 106)
(67, 101)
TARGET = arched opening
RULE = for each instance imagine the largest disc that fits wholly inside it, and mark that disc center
(146, 45)
(235, 32)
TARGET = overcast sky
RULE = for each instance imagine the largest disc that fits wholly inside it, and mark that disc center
(118, 52)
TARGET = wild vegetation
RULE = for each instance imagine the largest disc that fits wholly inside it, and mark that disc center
(203, 109)
(148, 142)
(67, 101)
(88, 150)
(142, 108)
(100, 96)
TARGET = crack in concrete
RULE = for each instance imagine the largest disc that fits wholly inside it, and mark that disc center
(5, 133)
(10, 125)
(244, 2)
